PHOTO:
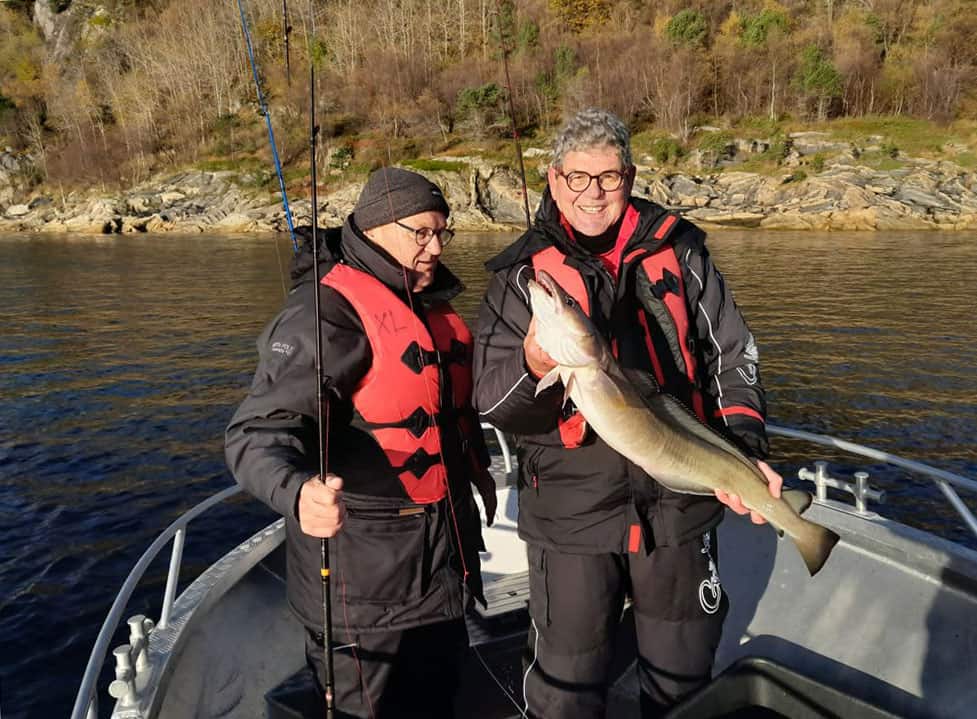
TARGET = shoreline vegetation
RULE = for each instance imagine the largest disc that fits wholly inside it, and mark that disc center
(121, 116)
(808, 180)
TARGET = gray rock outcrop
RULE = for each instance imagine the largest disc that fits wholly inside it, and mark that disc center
(921, 194)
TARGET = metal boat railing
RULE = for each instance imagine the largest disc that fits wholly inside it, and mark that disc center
(946, 481)
(129, 656)
(86, 701)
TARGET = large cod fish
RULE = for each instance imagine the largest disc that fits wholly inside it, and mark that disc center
(657, 432)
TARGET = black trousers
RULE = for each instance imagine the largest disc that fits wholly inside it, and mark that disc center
(408, 674)
(576, 603)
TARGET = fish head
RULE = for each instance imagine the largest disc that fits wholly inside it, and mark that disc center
(562, 329)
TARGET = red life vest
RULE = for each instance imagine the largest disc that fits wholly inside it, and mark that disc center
(663, 273)
(399, 398)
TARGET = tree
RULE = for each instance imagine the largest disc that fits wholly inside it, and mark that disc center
(687, 27)
(757, 28)
(22, 82)
(578, 15)
(818, 78)
(858, 58)
(481, 106)
(755, 51)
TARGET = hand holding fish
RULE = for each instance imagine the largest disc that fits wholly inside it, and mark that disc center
(774, 483)
(537, 361)
(321, 510)
(657, 432)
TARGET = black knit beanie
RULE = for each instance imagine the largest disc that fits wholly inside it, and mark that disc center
(391, 194)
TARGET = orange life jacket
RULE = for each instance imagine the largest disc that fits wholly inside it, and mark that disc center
(399, 399)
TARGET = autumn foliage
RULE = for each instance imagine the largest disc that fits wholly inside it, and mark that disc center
(146, 85)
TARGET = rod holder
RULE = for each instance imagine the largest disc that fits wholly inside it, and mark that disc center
(139, 641)
(124, 687)
(859, 489)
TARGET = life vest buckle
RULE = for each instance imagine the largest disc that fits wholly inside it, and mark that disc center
(668, 283)
(416, 359)
(419, 462)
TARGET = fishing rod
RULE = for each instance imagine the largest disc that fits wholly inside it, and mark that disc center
(322, 403)
(512, 112)
(322, 399)
(271, 133)
(322, 409)
(286, 31)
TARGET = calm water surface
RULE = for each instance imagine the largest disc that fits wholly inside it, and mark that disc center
(122, 359)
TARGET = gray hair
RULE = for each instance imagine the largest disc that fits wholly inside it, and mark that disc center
(589, 129)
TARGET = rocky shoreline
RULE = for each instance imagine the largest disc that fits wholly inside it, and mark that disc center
(843, 195)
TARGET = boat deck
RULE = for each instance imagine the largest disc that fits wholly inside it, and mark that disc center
(888, 620)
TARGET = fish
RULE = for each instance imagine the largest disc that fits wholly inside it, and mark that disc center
(654, 430)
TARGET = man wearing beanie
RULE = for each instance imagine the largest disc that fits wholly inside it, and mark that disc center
(404, 448)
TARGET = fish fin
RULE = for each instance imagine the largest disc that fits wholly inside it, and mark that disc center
(815, 544)
(797, 499)
(682, 488)
(644, 382)
(548, 380)
(672, 410)
(567, 389)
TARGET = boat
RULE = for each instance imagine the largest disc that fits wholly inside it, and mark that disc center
(886, 629)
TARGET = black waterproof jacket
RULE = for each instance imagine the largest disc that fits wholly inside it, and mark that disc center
(389, 572)
(586, 499)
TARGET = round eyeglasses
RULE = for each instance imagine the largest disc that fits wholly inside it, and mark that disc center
(579, 181)
(423, 235)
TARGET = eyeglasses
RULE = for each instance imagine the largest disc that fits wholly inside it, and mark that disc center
(608, 181)
(424, 235)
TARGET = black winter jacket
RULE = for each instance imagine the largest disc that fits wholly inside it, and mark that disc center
(585, 499)
(390, 572)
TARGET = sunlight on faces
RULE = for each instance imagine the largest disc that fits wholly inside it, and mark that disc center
(594, 210)
(421, 261)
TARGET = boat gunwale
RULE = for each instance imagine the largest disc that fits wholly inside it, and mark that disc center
(961, 569)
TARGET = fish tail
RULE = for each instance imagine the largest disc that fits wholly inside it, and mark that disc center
(815, 544)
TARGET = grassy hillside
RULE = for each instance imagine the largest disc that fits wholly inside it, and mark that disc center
(112, 93)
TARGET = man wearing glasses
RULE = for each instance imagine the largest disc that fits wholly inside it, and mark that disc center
(403, 448)
(598, 530)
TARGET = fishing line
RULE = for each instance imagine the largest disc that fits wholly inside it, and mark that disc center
(427, 388)
(522, 712)
(356, 657)
(447, 482)
(451, 503)
(512, 112)
(430, 399)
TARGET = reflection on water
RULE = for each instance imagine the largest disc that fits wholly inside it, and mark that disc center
(869, 337)
(122, 358)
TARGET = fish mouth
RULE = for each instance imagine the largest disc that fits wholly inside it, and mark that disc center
(547, 285)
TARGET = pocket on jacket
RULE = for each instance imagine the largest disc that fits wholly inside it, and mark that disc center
(381, 557)
(528, 467)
